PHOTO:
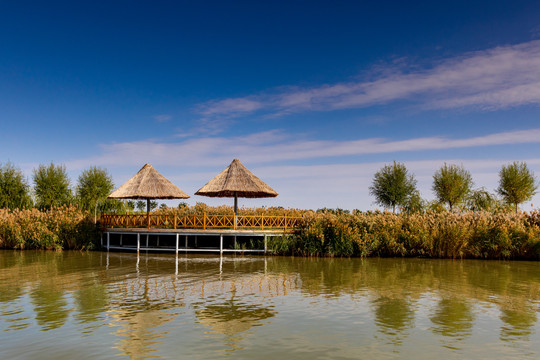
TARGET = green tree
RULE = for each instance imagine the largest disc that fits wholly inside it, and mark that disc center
(481, 199)
(517, 183)
(94, 185)
(14, 189)
(415, 203)
(452, 184)
(51, 185)
(140, 205)
(392, 185)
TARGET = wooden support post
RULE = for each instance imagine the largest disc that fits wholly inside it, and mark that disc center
(221, 243)
(121, 239)
(265, 244)
(148, 212)
(235, 242)
(204, 221)
(177, 236)
(101, 240)
(185, 241)
(175, 220)
(138, 243)
(108, 240)
(262, 222)
(157, 242)
(147, 236)
(195, 241)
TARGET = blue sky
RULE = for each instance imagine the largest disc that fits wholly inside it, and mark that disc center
(313, 96)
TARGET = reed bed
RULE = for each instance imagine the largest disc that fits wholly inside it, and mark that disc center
(65, 227)
(202, 208)
(479, 235)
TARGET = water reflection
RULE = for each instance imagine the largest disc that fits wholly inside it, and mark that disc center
(393, 316)
(518, 325)
(157, 305)
(50, 306)
(138, 334)
(453, 317)
(233, 319)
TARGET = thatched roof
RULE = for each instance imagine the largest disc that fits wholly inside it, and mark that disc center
(148, 184)
(238, 181)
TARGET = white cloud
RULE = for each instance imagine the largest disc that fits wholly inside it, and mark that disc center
(286, 164)
(162, 117)
(501, 77)
(277, 147)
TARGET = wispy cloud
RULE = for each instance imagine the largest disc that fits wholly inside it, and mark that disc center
(501, 77)
(278, 147)
(162, 117)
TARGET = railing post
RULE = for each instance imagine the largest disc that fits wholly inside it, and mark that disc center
(175, 220)
(262, 222)
(204, 221)
(221, 243)
(235, 221)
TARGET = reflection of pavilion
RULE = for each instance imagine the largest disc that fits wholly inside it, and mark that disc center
(232, 319)
(227, 295)
(137, 331)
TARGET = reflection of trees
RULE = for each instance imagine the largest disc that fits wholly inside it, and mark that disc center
(517, 323)
(393, 316)
(91, 302)
(453, 317)
(49, 305)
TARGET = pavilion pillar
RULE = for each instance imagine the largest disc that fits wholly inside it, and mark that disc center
(235, 210)
(148, 213)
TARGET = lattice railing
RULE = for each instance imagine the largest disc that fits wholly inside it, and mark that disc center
(285, 223)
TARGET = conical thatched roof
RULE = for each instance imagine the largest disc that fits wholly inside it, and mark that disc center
(238, 181)
(148, 184)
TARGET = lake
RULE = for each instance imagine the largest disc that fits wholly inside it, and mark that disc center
(87, 305)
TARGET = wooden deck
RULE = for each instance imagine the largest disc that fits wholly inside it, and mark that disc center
(193, 233)
(247, 222)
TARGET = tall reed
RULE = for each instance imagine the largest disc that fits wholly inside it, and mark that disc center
(440, 235)
(65, 227)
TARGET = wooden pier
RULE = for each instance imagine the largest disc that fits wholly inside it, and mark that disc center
(193, 233)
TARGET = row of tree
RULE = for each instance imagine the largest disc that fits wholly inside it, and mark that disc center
(394, 186)
(52, 188)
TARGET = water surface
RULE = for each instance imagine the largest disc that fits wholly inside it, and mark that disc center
(102, 305)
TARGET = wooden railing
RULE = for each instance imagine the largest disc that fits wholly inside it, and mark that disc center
(248, 222)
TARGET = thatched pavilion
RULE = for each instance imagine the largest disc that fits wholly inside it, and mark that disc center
(148, 184)
(236, 181)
